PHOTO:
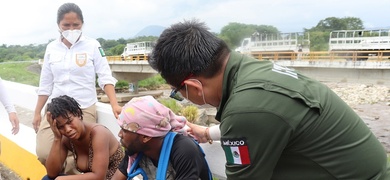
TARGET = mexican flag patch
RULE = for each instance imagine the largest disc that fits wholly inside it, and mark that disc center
(236, 151)
(102, 52)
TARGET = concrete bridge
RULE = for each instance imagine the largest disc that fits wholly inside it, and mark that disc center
(374, 72)
(328, 69)
(131, 71)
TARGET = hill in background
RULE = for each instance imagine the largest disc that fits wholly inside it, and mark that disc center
(153, 30)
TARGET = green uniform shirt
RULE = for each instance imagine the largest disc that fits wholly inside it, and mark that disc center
(279, 124)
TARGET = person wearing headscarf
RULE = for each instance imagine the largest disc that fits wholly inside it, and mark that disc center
(144, 123)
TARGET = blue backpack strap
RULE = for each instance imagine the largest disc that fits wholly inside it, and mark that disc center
(136, 170)
(163, 161)
(208, 168)
(164, 156)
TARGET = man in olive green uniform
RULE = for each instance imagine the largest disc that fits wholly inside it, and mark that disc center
(275, 122)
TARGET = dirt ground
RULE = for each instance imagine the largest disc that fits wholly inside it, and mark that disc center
(377, 118)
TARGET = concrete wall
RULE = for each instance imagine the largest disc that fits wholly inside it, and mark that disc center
(369, 76)
(18, 151)
(344, 71)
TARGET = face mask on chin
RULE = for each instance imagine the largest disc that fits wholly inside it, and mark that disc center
(71, 35)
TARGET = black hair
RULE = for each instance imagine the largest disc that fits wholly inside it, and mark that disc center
(63, 105)
(187, 48)
(67, 8)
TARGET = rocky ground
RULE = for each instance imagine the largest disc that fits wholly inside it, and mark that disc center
(7, 174)
(371, 102)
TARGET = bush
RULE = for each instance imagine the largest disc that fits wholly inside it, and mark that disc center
(152, 82)
(171, 104)
(191, 113)
(121, 84)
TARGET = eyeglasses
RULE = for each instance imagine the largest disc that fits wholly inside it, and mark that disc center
(175, 94)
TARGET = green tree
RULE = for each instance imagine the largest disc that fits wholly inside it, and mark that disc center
(117, 50)
(29, 55)
(319, 41)
(353, 23)
(109, 44)
(142, 38)
(121, 41)
(334, 23)
(3, 53)
(11, 56)
(234, 32)
(21, 53)
(40, 55)
(115, 47)
(319, 35)
(101, 41)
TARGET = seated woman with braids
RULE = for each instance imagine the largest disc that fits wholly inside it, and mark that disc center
(96, 150)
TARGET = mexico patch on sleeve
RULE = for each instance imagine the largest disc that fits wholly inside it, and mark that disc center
(236, 151)
(102, 52)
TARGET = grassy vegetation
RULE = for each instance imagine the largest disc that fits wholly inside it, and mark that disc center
(152, 82)
(17, 72)
(121, 84)
(191, 113)
(171, 104)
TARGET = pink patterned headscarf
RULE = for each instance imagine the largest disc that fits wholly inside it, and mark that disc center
(145, 115)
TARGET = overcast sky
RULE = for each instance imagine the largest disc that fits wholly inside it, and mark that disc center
(25, 22)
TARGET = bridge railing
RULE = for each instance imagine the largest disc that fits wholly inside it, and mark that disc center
(380, 55)
(324, 55)
(128, 58)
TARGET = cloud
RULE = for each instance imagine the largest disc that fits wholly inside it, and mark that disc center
(34, 22)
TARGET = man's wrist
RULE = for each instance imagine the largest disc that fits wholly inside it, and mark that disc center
(207, 136)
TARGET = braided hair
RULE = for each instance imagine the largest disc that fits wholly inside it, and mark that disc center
(64, 105)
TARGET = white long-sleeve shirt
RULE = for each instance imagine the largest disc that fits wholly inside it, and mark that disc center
(73, 71)
(5, 99)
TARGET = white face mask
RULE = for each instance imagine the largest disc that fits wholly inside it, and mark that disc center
(71, 35)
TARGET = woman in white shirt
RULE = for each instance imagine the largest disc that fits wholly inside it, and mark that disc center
(70, 66)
